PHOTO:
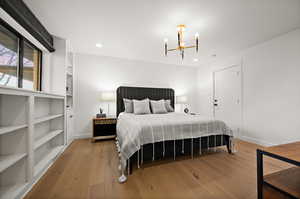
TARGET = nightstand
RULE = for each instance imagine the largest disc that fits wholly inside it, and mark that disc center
(104, 128)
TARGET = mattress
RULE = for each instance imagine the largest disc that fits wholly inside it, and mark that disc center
(134, 131)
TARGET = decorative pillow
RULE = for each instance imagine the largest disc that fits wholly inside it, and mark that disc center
(141, 107)
(168, 106)
(158, 106)
(128, 104)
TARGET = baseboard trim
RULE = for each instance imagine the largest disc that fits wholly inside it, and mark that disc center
(83, 136)
(256, 141)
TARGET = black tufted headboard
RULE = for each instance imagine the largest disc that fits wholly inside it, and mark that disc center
(140, 93)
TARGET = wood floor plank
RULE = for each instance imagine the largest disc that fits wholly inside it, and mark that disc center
(90, 171)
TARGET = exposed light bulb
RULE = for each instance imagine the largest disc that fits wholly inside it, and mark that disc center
(197, 35)
(166, 40)
(181, 28)
(195, 60)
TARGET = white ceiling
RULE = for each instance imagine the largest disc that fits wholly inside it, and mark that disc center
(135, 29)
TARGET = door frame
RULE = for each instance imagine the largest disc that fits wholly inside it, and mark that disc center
(239, 133)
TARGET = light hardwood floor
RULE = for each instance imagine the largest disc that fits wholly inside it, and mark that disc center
(89, 170)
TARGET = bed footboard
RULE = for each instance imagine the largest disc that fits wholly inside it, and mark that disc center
(173, 149)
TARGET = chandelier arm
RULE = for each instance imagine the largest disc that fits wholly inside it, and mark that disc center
(184, 47)
(173, 49)
(166, 49)
(179, 39)
(189, 47)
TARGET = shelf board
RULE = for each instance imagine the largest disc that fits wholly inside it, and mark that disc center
(9, 129)
(6, 90)
(270, 193)
(8, 192)
(287, 180)
(46, 160)
(70, 74)
(8, 160)
(47, 118)
(45, 96)
(46, 138)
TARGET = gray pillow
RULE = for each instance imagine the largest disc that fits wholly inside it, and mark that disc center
(158, 106)
(141, 107)
(168, 106)
(128, 104)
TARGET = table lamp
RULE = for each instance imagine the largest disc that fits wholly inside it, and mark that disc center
(107, 96)
(182, 100)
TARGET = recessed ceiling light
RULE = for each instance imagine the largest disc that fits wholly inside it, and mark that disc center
(98, 45)
(214, 55)
(195, 60)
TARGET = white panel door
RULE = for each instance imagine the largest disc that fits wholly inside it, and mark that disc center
(227, 97)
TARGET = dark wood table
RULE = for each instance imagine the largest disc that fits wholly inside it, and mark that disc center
(287, 181)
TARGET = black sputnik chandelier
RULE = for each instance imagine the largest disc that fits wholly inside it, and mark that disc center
(181, 45)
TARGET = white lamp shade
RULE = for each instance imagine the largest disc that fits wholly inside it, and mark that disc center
(108, 96)
(181, 99)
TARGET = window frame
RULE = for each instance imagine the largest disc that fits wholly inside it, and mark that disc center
(21, 41)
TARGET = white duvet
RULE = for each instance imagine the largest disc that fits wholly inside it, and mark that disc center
(133, 131)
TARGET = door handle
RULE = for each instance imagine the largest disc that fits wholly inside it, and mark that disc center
(215, 102)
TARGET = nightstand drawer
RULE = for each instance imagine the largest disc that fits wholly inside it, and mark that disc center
(104, 128)
(108, 121)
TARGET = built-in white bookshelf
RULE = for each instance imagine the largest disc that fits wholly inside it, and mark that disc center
(62, 80)
(69, 80)
(13, 144)
(48, 131)
(70, 93)
(44, 156)
(46, 138)
(32, 135)
(47, 109)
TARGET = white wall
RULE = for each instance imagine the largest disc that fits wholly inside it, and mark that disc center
(54, 68)
(98, 73)
(271, 89)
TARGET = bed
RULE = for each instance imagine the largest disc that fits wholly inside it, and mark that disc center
(150, 137)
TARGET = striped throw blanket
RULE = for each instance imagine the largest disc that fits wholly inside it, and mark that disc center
(133, 131)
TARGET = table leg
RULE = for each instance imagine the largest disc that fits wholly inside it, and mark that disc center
(260, 177)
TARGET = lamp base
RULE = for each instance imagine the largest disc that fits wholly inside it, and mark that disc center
(101, 115)
(186, 110)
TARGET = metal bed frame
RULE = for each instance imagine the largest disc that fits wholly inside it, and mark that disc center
(166, 149)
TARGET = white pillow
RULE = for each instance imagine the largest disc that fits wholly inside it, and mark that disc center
(168, 106)
(141, 107)
(128, 104)
(158, 106)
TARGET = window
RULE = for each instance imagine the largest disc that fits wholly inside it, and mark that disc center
(31, 67)
(8, 58)
(20, 61)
